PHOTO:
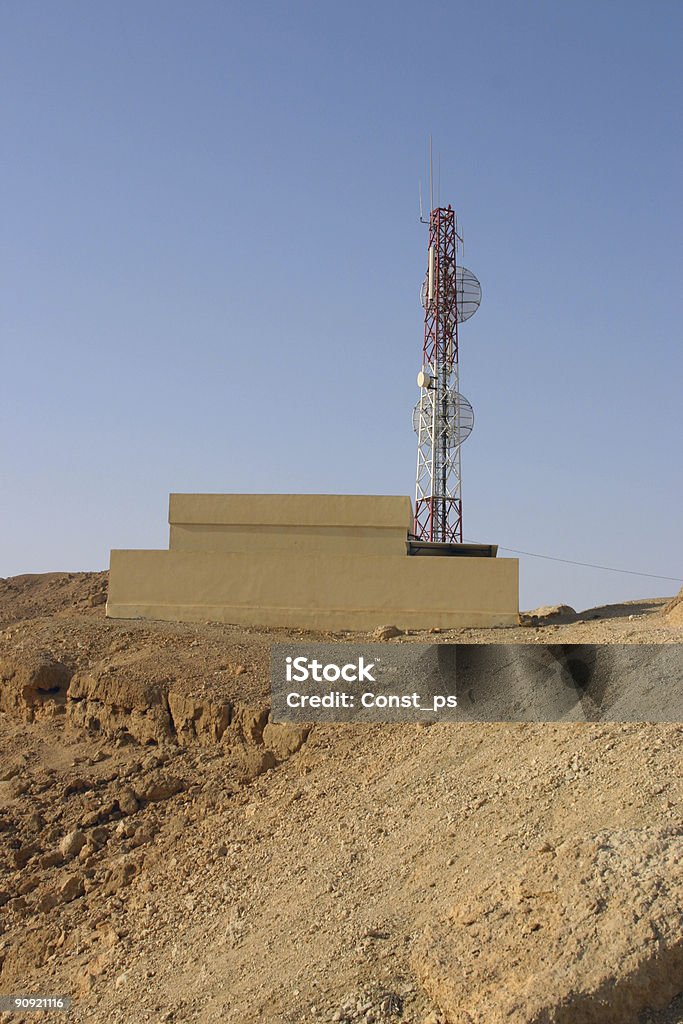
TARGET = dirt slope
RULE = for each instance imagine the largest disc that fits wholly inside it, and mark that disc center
(51, 593)
(167, 854)
(673, 611)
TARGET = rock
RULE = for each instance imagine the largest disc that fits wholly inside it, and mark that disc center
(108, 936)
(47, 902)
(28, 883)
(591, 935)
(72, 844)
(36, 822)
(77, 785)
(125, 829)
(283, 739)
(386, 632)
(121, 874)
(98, 837)
(51, 859)
(256, 761)
(18, 787)
(33, 686)
(547, 613)
(71, 889)
(121, 698)
(159, 787)
(24, 854)
(126, 800)
(85, 855)
(143, 834)
(198, 720)
(247, 725)
(97, 817)
(85, 982)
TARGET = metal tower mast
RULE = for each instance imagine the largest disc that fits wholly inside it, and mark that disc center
(442, 418)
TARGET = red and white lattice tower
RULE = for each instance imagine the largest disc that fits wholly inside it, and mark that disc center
(442, 418)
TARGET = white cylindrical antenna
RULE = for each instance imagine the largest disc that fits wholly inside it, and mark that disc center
(430, 276)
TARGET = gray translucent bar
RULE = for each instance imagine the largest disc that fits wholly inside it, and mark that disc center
(477, 682)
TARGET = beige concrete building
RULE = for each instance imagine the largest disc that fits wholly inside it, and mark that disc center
(322, 562)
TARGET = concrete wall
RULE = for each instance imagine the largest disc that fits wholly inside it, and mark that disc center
(312, 561)
(366, 524)
(354, 510)
(302, 539)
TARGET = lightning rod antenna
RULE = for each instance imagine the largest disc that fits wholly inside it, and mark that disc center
(431, 177)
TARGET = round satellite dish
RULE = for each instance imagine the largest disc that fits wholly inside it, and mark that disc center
(458, 413)
(424, 380)
(422, 413)
(468, 293)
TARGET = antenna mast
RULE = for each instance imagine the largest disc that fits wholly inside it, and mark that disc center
(442, 418)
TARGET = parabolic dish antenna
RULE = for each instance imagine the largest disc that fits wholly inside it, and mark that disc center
(468, 293)
(457, 413)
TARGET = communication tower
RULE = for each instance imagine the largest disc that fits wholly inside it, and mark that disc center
(442, 418)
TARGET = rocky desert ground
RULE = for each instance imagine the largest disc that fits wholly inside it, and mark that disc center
(167, 853)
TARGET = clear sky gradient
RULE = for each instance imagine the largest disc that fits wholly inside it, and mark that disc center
(211, 264)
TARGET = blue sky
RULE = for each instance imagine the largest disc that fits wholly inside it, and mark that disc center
(211, 264)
